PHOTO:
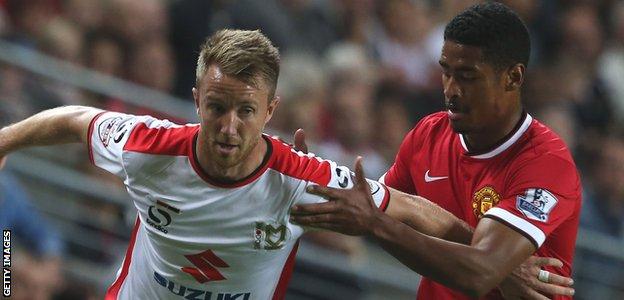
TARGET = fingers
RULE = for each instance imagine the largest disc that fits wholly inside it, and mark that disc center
(299, 139)
(546, 261)
(318, 208)
(560, 280)
(328, 226)
(312, 220)
(324, 191)
(553, 289)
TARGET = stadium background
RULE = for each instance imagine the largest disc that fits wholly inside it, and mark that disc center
(356, 75)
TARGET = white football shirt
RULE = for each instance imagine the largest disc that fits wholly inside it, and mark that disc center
(195, 238)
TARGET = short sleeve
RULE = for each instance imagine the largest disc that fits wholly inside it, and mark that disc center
(342, 178)
(108, 133)
(399, 176)
(541, 195)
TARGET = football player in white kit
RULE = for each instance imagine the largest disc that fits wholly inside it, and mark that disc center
(213, 198)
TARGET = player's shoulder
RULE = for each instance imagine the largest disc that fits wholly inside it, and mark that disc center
(433, 124)
(150, 135)
(544, 144)
(543, 154)
(305, 166)
(430, 129)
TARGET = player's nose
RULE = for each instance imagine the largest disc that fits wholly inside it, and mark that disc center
(452, 90)
(229, 123)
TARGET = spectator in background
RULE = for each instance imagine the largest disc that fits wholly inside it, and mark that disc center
(582, 41)
(29, 19)
(14, 103)
(406, 51)
(350, 115)
(137, 21)
(611, 66)
(87, 15)
(152, 65)
(603, 212)
(191, 21)
(105, 52)
(355, 20)
(302, 90)
(392, 122)
(62, 40)
(603, 208)
(38, 250)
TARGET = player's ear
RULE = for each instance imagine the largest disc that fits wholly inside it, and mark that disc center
(196, 99)
(271, 108)
(514, 77)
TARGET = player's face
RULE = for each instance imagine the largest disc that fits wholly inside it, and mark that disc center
(473, 90)
(233, 115)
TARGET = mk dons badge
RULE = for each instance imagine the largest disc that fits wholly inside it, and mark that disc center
(270, 236)
(483, 200)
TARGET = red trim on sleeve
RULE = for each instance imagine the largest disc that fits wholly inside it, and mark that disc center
(303, 167)
(386, 200)
(282, 284)
(161, 140)
(89, 136)
(114, 289)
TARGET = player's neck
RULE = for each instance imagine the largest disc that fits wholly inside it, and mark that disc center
(485, 140)
(237, 172)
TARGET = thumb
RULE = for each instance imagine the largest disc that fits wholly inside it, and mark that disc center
(360, 178)
(2, 161)
(299, 139)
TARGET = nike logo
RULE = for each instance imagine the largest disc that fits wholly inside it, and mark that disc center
(431, 179)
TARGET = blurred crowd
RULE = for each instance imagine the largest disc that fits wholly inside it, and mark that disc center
(356, 74)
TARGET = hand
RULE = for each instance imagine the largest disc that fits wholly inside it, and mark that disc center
(299, 140)
(2, 161)
(522, 283)
(348, 211)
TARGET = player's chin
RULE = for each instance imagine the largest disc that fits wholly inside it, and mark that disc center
(459, 127)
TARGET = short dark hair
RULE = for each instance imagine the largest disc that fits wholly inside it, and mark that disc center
(496, 29)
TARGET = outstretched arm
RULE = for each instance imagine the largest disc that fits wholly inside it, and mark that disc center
(62, 125)
(427, 217)
(490, 256)
(415, 211)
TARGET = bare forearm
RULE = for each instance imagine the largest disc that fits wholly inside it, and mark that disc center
(457, 266)
(68, 124)
(428, 218)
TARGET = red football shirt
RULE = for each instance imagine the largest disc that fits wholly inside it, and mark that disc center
(528, 182)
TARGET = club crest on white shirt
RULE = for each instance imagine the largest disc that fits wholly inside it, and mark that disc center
(106, 129)
(536, 204)
(113, 129)
(270, 235)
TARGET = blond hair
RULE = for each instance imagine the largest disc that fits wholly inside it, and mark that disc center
(244, 54)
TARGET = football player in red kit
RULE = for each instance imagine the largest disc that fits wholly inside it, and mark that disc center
(485, 160)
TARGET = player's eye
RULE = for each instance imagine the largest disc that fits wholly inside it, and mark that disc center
(215, 108)
(246, 110)
(467, 76)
